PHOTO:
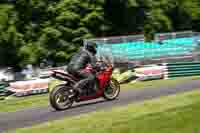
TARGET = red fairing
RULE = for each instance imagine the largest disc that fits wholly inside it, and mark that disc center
(104, 77)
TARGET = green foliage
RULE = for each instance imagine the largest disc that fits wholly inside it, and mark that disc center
(33, 30)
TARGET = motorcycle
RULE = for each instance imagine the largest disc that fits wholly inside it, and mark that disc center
(106, 87)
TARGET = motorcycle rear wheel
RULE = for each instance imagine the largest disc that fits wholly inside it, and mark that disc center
(112, 90)
(59, 97)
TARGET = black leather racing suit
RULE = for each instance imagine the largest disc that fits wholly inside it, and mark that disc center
(79, 62)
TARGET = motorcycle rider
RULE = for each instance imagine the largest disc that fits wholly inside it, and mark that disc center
(79, 62)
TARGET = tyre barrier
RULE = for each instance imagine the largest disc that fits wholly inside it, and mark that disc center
(2, 87)
(31, 92)
(181, 69)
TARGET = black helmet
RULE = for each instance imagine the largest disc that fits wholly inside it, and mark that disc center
(91, 47)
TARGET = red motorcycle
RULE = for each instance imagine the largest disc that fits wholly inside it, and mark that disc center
(107, 87)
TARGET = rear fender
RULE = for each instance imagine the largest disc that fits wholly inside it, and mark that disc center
(63, 78)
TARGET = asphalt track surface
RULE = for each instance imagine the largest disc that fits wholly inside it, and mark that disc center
(34, 116)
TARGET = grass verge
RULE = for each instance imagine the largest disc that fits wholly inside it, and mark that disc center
(158, 83)
(177, 114)
(16, 104)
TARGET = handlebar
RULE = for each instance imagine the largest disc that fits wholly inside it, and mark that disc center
(104, 63)
(100, 65)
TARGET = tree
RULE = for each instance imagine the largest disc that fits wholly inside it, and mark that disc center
(10, 39)
(34, 30)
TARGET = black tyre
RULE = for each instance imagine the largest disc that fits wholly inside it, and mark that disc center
(59, 97)
(112, 90)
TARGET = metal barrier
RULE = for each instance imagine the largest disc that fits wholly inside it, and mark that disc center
(181, 69)
(167, 47)
(174, 35)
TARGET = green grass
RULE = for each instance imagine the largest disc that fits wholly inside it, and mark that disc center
(173, 114)
(16, 104)
(2, 98)
(158, 83)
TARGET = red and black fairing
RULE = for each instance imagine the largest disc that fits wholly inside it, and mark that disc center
(103, 77)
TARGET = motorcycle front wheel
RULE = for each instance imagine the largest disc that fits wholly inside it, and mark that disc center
(59, 97)
(112, 90)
